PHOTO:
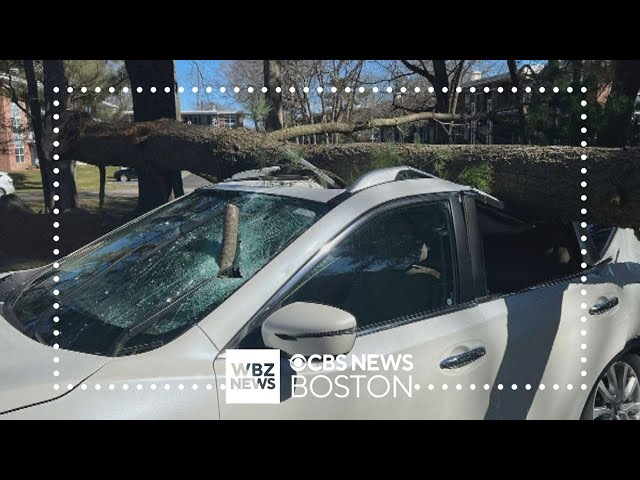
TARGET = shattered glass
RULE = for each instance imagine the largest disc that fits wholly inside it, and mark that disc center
(142, 286)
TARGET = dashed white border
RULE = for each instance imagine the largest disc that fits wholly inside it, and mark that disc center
(583, 238)
(292, 89)
(56, 224)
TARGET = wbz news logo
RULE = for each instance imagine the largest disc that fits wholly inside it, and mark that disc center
(253, 376)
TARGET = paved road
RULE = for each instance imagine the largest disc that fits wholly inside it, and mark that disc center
(190, 182)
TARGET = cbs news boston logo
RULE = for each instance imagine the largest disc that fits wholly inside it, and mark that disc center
(253, 376)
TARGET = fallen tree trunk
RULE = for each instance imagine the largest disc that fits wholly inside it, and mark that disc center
(545, 181)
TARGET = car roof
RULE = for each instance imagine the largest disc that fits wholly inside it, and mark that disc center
(377, 180)
(314, 194)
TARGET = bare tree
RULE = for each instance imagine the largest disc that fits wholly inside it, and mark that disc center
(312, 91)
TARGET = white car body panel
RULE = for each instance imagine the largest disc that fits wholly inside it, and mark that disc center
(428, 341)
(27, 368)
(185, 361)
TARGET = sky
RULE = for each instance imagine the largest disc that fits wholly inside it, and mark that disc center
(213, 71)
(184, 71)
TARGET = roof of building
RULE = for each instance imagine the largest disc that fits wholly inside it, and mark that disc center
(502, 77)
(200, 112)
(209, 112)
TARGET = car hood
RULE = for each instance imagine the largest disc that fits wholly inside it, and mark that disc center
(27, 369)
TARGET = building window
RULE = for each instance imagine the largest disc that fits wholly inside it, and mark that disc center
(230, 120)
(16, 118)
(18, 143)
(214, 121)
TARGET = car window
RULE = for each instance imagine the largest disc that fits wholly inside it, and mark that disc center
(142, 286)
(600, 236)
(398, 265)
(521, 254)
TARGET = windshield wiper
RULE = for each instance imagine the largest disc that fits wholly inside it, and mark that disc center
(133, 330)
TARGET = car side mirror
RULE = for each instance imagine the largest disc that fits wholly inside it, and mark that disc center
(310, 328)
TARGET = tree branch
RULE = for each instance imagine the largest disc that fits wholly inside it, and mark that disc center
(347, 128)
(420, 71)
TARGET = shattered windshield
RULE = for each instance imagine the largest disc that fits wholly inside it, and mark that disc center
(142, 286)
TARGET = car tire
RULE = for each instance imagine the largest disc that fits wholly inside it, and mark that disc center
(602, 404)
(123, 177)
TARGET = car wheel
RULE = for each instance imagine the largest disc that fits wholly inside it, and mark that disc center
(124, 177)
(616, 394)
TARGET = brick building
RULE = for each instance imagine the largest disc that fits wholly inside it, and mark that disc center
(17, 150)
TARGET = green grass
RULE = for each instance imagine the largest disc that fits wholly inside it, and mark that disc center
(88, 184)
(87, 179)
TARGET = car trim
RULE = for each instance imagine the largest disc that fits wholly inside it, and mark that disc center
(463, 260)
(478, 269)
(417, 317)
(608, 243)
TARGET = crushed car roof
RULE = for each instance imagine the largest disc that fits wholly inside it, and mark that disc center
(309, 189)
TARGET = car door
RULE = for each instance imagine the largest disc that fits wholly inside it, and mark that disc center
(555, 347)
(404, 272)
(599, 319)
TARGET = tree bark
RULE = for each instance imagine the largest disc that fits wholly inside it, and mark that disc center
(273, 79)
(54, 76)
(103, 181)
(543, 181)
(540, 181)
(441, 80)
(154, 186)
(229, 240)
(35, 112)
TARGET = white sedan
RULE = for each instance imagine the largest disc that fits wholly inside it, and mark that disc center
(401, 296)
(6, 184)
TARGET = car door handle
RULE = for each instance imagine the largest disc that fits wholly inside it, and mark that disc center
(604, 305)
(463, 359)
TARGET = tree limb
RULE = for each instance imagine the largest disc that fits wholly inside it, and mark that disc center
(347, 128)
(420, 71)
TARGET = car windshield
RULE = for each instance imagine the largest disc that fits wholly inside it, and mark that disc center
(141, 286)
